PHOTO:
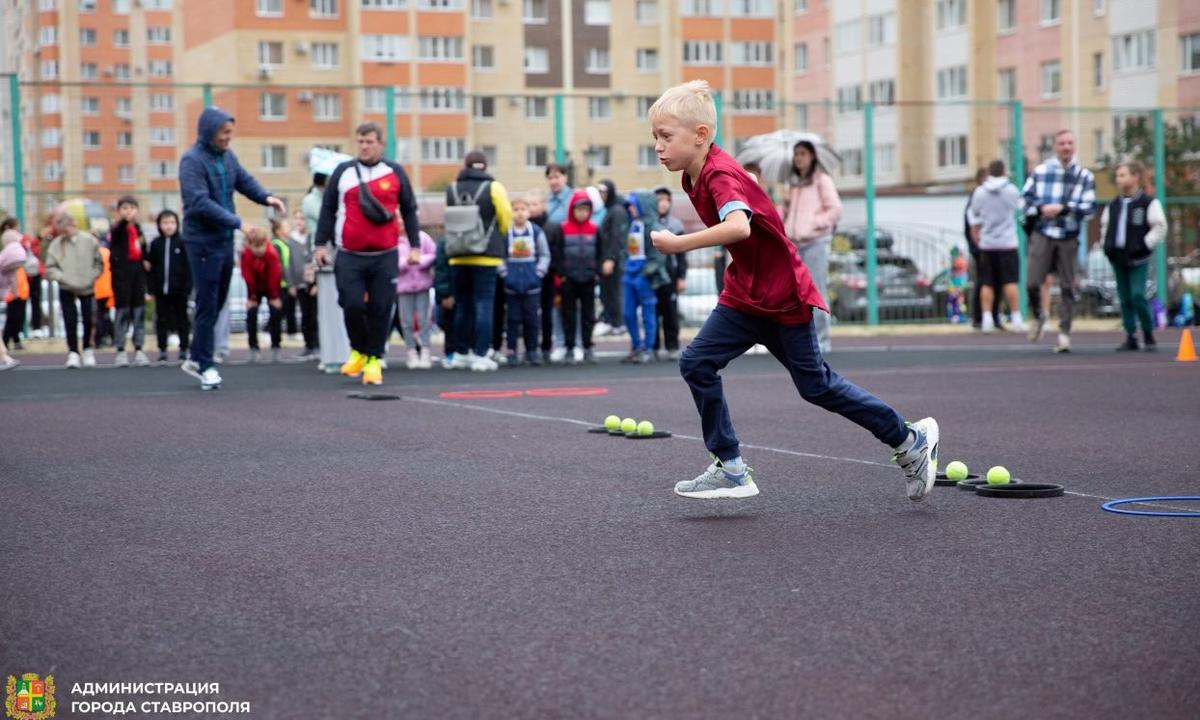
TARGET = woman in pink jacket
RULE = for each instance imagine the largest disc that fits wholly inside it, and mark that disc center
(412, 297)
(811, 213)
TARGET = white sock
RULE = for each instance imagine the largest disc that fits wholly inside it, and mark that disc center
(1016, 318)
(908, 442)
(734, 467)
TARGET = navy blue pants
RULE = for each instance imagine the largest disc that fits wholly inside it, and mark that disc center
(728, 333)
(523, 320)
(212, 267)
(474, 301)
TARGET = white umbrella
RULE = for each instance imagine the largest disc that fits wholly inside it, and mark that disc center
(773, 153)
(323, 160)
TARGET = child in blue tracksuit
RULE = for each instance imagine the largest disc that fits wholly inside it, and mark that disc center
(645, 272)
(526, 262)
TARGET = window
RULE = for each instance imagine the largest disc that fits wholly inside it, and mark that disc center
(702, 52)
(1051, 79)
(161, 169)
(535, 12)
(1098, 144)
(440, 49)
(647, 12)
(158, 68)
(1133, 52)
(1097, 7)
(124, 107)
(47, 5)
(751, 8)
(882, 92)
(52, 171)
(159, 5)
(89, 71)
(599, 156)
(51, 104)
(647, 157)
(483, 57)
(647, 59)
(384, 4)
(642, 107)
(597, 12)
(325, 55)
(537, 60)
(442, 5)
(443, 149)
(482, 10)
(87, 6)
(801, 115)
(125, 174)
(800, 58)
(1051, 12)
(48, 69)
(48, 35)
(952, 151)
(951, 14)
(90, 105)
(536, 156)
(597, 61)
(443, 99)
(162, 102)
(952, 82)
(164, 135)
(124, 140)
(274, 157)
(491, 153)
(700, 7)
(121, 71)
(1190, 53)
(1006, 84)
(1006, 16)
(87, 37)
(881, 29)
(1098, 70)
(751, 53)
(600, 108)
(322, 8)
(384, 48)
(848, 36)
(536, 108)
(849, 99)
(483, 108)
(51, 137)
(121, 38)
(800, 7)
(885, 159)
(272, 106)
(753, 101)
(91, 139)
(120, 7)
(270, 54)
(93, 174)
(268, 8)
(158, 35)
(852, 162)
(327, 107)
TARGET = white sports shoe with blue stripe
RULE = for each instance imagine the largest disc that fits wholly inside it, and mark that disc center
(719, 481)
(920, 461)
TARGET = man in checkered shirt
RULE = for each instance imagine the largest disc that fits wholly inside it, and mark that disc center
(1062, 194)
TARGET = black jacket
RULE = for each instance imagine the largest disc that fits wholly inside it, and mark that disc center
(127, 276)
(168, 257)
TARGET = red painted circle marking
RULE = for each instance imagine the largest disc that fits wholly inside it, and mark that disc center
(566, 392)
(480, 395)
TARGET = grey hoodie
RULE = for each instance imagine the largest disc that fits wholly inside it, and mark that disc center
(993, 205)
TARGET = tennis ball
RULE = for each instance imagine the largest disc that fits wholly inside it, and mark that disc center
(628, 425)
(645, 428)
(612, 422)
(956, 470)
(998, 475)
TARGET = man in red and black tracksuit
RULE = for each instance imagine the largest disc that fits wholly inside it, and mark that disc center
(366, 234)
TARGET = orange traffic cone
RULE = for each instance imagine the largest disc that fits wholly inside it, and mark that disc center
(1187, 350)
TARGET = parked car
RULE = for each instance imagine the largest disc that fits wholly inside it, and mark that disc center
(903, 291)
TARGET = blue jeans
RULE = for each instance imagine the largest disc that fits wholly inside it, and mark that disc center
(639, 294)
(728, 333)
(474, 298)
(212, 268)
(523, 320)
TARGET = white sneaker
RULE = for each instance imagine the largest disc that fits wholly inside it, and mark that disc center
(191, 367)
(424, 359)
(920, 461)
(463, 361)
(210, 379)
(122, 359)
(483, 364)
(988, 324)
(557, 355)
(602, 328)
(140, 359)
(89, 358)
(73, 360)
(719, 481)
(578, 355)
(413, 360)
(8, 363)
(1064, 343)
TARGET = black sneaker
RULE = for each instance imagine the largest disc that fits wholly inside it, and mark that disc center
(589, 357)
(1149, 345)
(162, 358)
(632, 358)
(1130, 344)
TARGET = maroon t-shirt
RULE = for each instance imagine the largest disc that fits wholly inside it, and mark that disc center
(765, 276)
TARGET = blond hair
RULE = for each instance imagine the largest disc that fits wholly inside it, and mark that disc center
(690, 103)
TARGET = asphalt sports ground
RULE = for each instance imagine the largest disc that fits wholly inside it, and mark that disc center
(455, 557)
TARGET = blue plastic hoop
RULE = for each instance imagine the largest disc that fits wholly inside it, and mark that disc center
(1111, 506)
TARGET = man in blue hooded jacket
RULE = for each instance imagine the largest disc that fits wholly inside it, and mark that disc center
(209, 173)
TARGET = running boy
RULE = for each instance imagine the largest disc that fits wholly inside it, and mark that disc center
(768, 298)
